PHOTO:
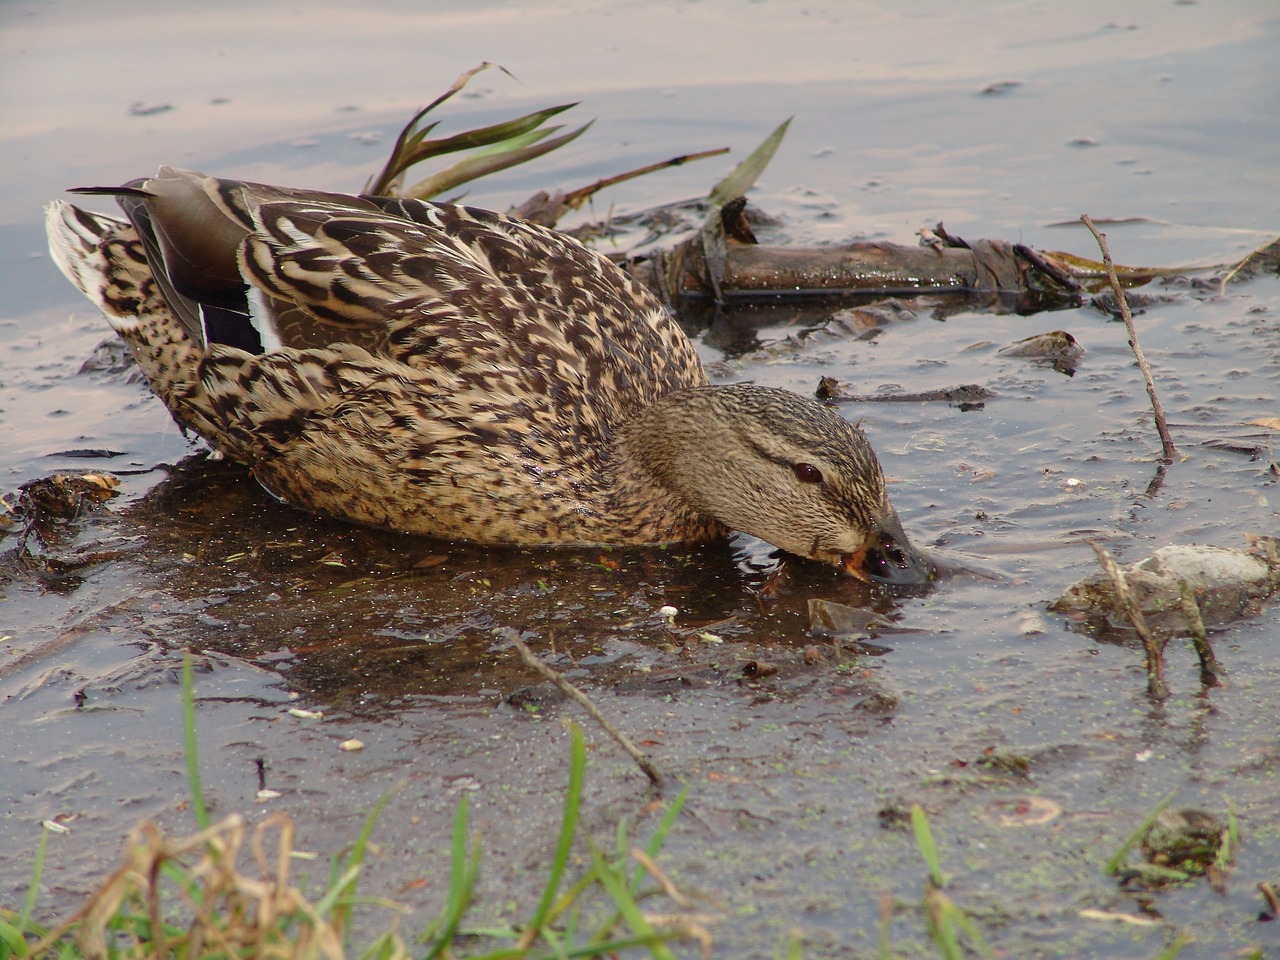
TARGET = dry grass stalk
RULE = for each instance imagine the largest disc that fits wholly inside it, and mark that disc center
(231, 914)
(1166, 441)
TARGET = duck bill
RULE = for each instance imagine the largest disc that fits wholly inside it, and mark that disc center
(888, 557)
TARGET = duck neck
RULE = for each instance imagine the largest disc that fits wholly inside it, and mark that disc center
(651, 472)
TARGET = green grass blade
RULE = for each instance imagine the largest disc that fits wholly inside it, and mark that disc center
(568, 827)
(1173, 949)
(1230, 842)
(337, 891)
(462, 877)
(928, 849)
(610, 878)
(666, 823)
(659, 838)
(605, 948)
(37, 871)
(355, 859)
(940, 916)
(745, 174)
(1113, 865)
(13, 940)
(654, 846)
(189, 731)
(884, 929)
(414, 138)
(793, 946)
(965, 922)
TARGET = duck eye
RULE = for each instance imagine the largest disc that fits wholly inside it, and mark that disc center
(807, 473)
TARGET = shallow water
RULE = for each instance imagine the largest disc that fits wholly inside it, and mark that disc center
(1161, 112)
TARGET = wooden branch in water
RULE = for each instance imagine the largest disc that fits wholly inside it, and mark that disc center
(532, 660)
(1166, 441)
(992, 269)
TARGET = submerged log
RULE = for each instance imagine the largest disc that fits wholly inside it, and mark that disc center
(986, 270)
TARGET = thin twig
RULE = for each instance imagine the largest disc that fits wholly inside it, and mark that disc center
(1155, 649)
(1166, 441)
(575, 198)
(569, 690)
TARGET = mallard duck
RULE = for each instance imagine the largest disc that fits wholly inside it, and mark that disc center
(442, 370)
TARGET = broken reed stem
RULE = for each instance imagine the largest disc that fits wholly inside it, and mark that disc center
(1155, 649)
(573, 693)
(1269, 894)
(1166, 441)
(1199, 636)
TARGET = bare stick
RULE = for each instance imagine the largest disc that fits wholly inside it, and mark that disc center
(1166, 441)
(573, 693)
(1155, 649)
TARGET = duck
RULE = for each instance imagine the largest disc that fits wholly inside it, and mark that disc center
(451, 372)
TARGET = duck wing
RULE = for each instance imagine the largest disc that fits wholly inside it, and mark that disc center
(453, 290)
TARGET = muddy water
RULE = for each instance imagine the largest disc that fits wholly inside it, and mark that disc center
(1159, 113)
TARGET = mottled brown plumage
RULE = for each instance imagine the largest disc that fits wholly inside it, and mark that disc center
(441, 370)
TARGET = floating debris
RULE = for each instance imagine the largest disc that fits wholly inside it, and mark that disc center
(829, 620)
(1227, 584)
(1057, 349)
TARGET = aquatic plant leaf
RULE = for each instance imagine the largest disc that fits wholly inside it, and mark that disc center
(419, 149)
(511, 141)
(486, 163)
(745, 174)
(386, 181)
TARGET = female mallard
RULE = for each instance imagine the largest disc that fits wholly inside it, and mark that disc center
(441, 370)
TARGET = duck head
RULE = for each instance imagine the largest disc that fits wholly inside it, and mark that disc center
(780, 467)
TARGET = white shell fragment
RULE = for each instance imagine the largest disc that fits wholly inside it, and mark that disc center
(352, 744)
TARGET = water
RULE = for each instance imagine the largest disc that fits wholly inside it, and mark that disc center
(1160, 112)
